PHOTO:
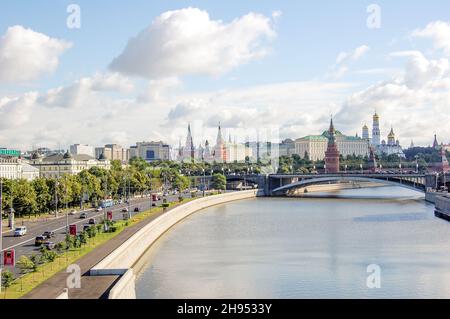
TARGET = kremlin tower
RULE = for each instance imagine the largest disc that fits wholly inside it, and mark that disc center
(376, 134)
(189, 149)
(332, 152)
(220, 150)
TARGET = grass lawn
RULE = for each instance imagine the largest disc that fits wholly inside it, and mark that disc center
(29, 281)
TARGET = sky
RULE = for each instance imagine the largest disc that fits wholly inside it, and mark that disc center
(97, 72)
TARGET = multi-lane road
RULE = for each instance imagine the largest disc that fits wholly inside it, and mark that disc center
(25, 245)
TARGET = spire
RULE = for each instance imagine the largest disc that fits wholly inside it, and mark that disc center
(435, 142)
(331, 132)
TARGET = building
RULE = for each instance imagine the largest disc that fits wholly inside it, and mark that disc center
(188, 152)
(286, 147)
(442, 166)
(392, 147)
(151, 151)
(376, 133)
(29, 172)
(332, 152)
(435, 142)
(314, 146)
(82, 149)
(220, 150)
(113, 152)
(10, 167)
(54, 166)
(365, 133)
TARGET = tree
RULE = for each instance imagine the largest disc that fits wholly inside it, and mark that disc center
(219, 181)
(43, 195)
(181, 182)
(25, 264)
(7, 279)
(24, 198)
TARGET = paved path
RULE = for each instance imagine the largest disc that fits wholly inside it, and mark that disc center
(94, 287)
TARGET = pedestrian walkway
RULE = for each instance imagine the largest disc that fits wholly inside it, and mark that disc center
(92, 287)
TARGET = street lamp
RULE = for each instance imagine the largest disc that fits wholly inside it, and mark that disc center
(325, 168)
(345, 166)
(361, 167)
(417, 163)
(203, 182)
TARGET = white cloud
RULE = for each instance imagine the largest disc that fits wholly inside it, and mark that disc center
(412, 103)
(438, 32)
(84, 90)
(340, 68)
(25, 54)
(187, 41)
(354, 55)
(15, 112)
(421, 71)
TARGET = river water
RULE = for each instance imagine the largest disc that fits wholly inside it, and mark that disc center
(304, 248)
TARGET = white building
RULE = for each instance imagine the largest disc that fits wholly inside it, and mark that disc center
(29, 172)
(10, 168)
(55, 166)
(82, 149)
(314, 146)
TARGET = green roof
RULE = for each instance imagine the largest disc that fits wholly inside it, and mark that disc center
(4, 151)
(325, 135)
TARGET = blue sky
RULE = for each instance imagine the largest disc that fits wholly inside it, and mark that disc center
(309, 37)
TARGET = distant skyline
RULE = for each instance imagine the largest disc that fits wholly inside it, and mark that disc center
(141, 70)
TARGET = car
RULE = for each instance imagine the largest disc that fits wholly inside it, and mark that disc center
(72, 212)
(125, 210)
(86, 227)
(20, 231)
(136, 209)
(39, 240)
(153, 204)
(83, 215)
(98, 209)
(49, 245)
(92, 221)
(48, 234)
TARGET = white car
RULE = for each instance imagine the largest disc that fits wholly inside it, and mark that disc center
(20, 231)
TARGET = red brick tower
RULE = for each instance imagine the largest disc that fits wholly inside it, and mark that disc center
(442, 166)
(332, 152)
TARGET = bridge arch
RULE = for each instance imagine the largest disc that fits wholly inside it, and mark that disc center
(320, 180)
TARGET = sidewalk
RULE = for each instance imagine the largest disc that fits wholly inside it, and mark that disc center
(94, 287)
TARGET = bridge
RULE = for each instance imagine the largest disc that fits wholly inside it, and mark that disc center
(283, 184)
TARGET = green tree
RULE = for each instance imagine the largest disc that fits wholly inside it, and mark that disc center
(25, 264)
(181, 182)
(24, 198)
(7, 279)
(43, 195)
(219, 181)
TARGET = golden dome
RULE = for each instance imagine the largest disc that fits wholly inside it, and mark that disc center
(391, 134)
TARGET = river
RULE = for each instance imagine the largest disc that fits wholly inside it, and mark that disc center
(304, 248)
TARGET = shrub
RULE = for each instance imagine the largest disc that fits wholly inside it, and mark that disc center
(7, 278)
(25, 264)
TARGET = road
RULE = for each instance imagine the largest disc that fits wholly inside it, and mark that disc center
(25, 245)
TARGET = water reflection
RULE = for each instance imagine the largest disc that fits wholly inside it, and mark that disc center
(304, 248)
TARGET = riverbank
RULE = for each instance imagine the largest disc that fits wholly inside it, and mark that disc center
(332, 187)
(122, 260)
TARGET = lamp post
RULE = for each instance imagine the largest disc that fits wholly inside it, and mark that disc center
(345, 167)
(325, 168)
(417, 164)
(361, 167)
(203, 182)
